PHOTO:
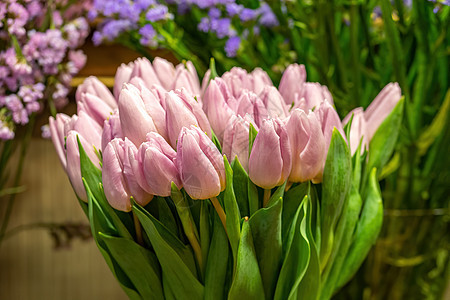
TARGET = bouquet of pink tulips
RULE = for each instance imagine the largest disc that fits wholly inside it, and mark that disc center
(230, 189)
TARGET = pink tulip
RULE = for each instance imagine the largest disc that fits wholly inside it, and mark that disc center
(205, 82)
(358, 130)
(134, 119)
(381, 107)
(95, 107)
(251, 104)
(291, 82)
(199, 164)
(311, 95)
(123, 75)
(329, 119)
(111, 129)
(156, 167)
(219, 105)
(235, 139)
(182, 111)
(143, 69)
(87, 127)
(274, 102)
(165, 72)
(73, 168)
(186, 77)
(307, 144)
(95, 87)
(57, 133)
(270, 160)
(118, 179)
(237, 80)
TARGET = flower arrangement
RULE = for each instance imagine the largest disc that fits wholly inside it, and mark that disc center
(38, 58)
(230, 188)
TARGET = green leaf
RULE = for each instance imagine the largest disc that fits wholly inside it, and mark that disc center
(252, 132)
(367, 231)
(247, 283)
(309, 286)
(99, 223)
(232, 211)
(383, 142)
(253, 197)
(266, 231)
(215, 140)
(166, 216)
(177, 262)
(336, 185)
(216, 267)
(297, 256)
(240, 185)
(291, 202)
(136, 261)
(344, 234)
(279, 193)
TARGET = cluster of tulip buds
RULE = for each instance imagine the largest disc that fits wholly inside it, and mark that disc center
(160, 126)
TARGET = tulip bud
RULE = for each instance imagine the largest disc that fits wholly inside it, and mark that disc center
(251, 104)
(123, 74)
(111, 129)
(143, 69)
(95, 107)
(235, 139)
(119, 182)
(260, 80)
(165, 72)
(95, 87)
(57, 133)
(292, 82)
(73, 168)
(270, 160)
(134, 119)
(311, 96)
(274, 102)
(307, 144)
(237, 79)
(381, 107)
(328, 118)
(186, 77)
(358, 130)
(156, 165)
(87, 127)
(182, 111)
(200, 164)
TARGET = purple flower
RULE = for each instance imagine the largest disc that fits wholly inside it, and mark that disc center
(221, 27)
(204, 25)
(157, 13)
(232, 46)
(148, 33)
(234, 9)
(268, 18)
(214, 13)
(247, 14)
(113, 28)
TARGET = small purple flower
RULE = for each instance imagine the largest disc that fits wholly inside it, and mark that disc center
(113, 28)
(247, 14)
(45, 132)
(204, 25)
(221, 27)
(158, 13)
(148, 34)
(232, 46)
(214, 13)
(267, 17)
(234, 9)
(5, 132)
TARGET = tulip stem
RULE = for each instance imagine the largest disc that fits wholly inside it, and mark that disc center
(220, 212)
(138, 228)
(266, 198)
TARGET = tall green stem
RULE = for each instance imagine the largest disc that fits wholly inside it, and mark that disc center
(18, 175)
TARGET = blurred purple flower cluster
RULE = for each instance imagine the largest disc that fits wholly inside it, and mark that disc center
(224, 18)
(38, 56)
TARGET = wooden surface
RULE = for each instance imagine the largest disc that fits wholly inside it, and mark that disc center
(30, 267)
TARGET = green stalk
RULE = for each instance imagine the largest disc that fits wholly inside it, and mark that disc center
(18, 175)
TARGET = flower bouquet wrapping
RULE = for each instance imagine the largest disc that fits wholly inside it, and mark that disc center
(231, 189)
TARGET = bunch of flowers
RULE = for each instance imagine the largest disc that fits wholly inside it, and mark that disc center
(38, 57)
(242, 188)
